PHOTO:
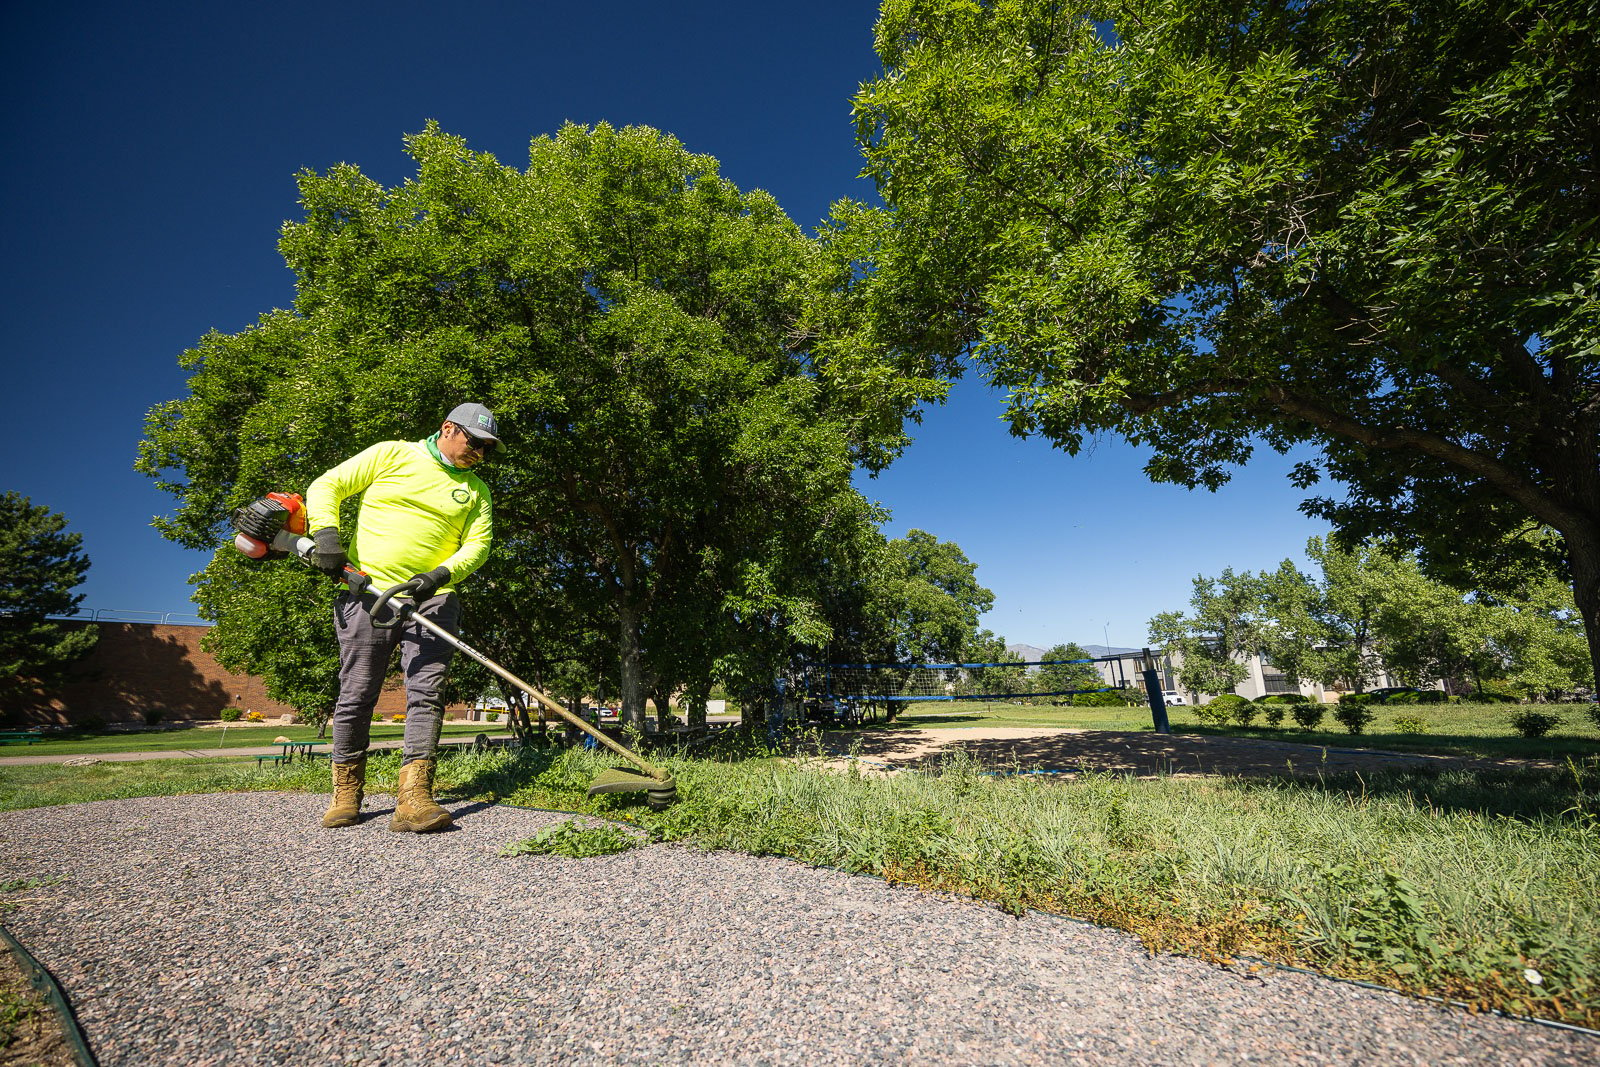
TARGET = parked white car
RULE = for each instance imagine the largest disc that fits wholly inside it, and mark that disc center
(1174, 699)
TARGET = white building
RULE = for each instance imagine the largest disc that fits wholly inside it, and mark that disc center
(1126, 667)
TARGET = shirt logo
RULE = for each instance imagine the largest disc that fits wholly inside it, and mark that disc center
(460, 496)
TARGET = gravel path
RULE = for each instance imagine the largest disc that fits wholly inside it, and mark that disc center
(232, 929)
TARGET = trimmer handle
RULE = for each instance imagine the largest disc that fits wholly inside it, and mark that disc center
(397, 612)
(357, 581)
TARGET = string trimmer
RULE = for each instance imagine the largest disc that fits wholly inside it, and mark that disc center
(274, 526)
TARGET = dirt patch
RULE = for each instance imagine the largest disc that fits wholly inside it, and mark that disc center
(1138, 754)
(30, 1032)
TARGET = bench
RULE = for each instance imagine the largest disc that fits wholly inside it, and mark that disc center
(30, 736)
(277, 758)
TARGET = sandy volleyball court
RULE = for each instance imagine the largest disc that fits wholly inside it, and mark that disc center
(1140, 754)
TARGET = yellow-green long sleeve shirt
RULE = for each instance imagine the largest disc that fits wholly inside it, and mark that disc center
(417, 513)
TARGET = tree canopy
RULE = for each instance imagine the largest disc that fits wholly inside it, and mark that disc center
(1362, 227)
(42, 564)
(676, 462)
(1372, 611)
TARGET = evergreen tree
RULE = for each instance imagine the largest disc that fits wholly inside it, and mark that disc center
(40, 566)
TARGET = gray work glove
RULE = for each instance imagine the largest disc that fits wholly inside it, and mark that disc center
(424, 586)
(328, 557)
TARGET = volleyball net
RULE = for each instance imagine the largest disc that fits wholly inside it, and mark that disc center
(892, 683)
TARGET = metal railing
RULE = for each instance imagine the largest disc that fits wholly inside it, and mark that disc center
(148, 618)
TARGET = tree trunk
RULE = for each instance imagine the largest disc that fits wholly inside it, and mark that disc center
(633, 690)
(694, 701)
(1583, 557)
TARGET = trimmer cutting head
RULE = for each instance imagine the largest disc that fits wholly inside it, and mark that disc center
(662, 791)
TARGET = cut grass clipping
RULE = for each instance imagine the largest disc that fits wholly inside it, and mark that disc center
(576, 841)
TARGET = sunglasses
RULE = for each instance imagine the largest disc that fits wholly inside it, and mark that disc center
(478, 444)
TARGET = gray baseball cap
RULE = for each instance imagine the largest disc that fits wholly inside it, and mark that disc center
(476, 420)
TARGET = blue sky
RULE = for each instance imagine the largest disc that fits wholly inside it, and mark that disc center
(150, 154)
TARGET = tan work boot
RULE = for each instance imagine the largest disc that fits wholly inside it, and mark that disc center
(349, 785)
(415, 809)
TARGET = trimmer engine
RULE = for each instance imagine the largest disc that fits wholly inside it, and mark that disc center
(272, 527)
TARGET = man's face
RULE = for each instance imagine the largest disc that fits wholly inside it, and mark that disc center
(459, 447)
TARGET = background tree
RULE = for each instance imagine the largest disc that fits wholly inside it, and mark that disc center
(1059, 677)
(1006, 673)
(42, 564)
(674, 452)
(1225, 627)
(1363, 227)
(1373, 611)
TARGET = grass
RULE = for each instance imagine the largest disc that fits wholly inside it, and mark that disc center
(199, 739)
(1466, 730)
(1467, 883)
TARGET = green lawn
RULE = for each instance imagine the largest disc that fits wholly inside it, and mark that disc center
(196, 739)
(1470, 730)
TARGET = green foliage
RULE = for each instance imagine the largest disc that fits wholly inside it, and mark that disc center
(1098, 700)
(1065, 674)
(1593, 711)
(1283, 698)
(678, 455)
(1359, 227)
(42, 564)
(1355, 699)
(1353, 715)
(1210, 640)
(1273, 713)
(1244, 713)
(576, 840)
(1432, 696)
(1410, 724)
(230, 714)
(1535, 723)
(1308, 716)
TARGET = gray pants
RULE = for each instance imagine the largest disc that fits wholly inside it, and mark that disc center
(364, 654)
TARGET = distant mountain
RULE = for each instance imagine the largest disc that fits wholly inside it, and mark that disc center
(1026, 652)
(1097, 651)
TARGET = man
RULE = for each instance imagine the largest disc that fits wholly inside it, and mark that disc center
(425, 520)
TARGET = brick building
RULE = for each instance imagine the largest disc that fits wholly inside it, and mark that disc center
(137, 668)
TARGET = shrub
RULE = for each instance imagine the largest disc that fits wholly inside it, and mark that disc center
(1211, 715)
(1535, 723)
(1356, 700)
(1491, 698)
(1432, 696)
(1244, 713)
(1308, 716)
(154, 716)
(230, 714)
(1284, 698)
(1410, 724)
(1594, 714)
(1274, 714)
(1353, 715)
(1098, 700)
(255, 716)
(401, 717)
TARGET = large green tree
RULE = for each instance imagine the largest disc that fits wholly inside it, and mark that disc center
(40, 566)
(639, 325)
(1360, 227)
